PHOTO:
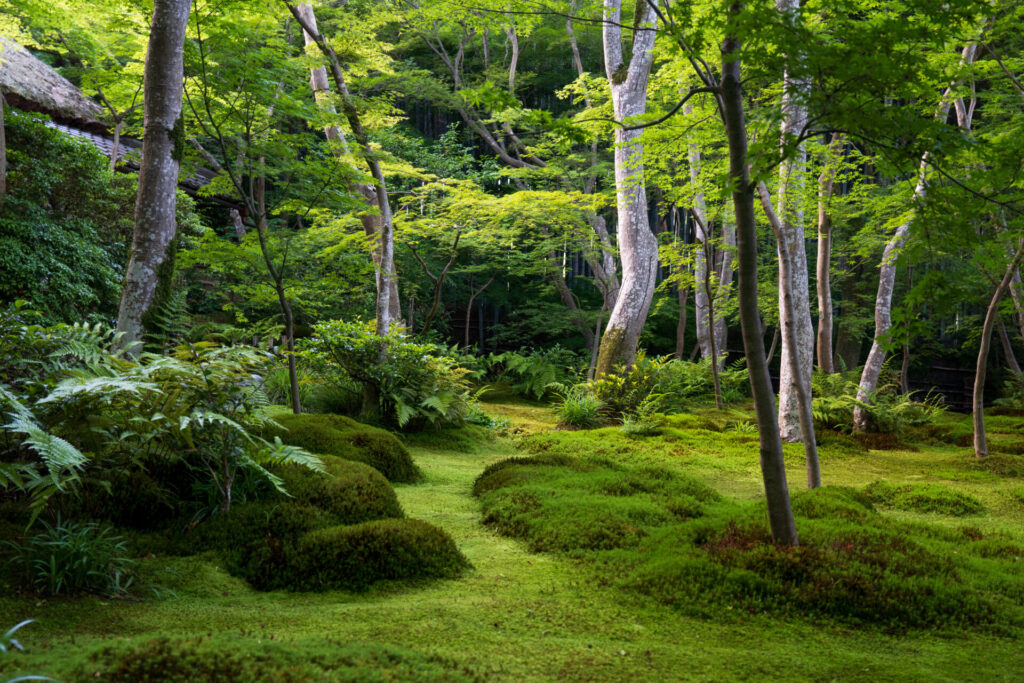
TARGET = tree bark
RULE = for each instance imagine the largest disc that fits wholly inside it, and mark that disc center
(887, 274)
(773, 468)
(978, 406)
(1011, 358)
(823, 271)
(469, 309)
(372, 225)
(638, 247)
(162, 141)
(3, 150)
(801, 379)
(798, 313)
(683, 296)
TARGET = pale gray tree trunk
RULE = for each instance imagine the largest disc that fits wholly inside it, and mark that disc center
(723, 293)
(638, 248)
(981, 367)
(371, 221)
(801, 379)
(826, 184)
(773, 467)
(1011, 358)
(887, 273)
(385, 236)
(798, 315)
(162, 140)
(1018, 300)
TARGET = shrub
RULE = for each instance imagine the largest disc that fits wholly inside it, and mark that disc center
(354, 557)
(70, 558)
(534, 372)
(832, 502)
(127, 498)
(234, 533)
(345, 438)
(924, 498)
(577, 407)
(624, 391)
(237, 659)
(419, 384)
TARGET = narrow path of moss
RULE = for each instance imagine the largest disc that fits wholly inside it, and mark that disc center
(516, 616)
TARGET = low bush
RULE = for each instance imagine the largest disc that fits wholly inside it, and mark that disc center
(577, 407)
(127, 498)
(532, 372)
(238, 659)
(924, 498)
(345, 438)
(72, 558)
(419, 385)
(233, 533)
(356, 556)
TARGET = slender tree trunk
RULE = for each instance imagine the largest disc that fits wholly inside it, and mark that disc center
(373, 225)
(469, 309)
(905, 369)
(595, 347)
(773, 345)
(823, 271)
(115, 148)
(638, 247)
(801, 382)
(726, 270)
(1018, 301)
(1011, 359)
(773, 467)
(683, 296)
(798, 314)
(162, 141)
(3, 150)
(978, 406)
(887, 274)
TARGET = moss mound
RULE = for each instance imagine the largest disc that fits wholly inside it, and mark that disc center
(924, 498)
(675, 540)
(558, 503)
(354, 557)
(245, 660)
(349, 491)
(345, 438)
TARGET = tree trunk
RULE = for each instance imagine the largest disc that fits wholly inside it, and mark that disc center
(469, 309)
(372, 223)
(887, 274)
(1018, 301)
(3, 150)
(773, 467)
(683, 295)
(638, 247)
(115, 148)
(826, 184)
(1011, 359)
(978, 406)
(725, 274)
(798, 314)
(801, 379)
(162, 140)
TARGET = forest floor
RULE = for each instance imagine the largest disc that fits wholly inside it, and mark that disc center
(524, 616)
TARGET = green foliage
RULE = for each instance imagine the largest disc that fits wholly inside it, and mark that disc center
(924, 498)
(72, 558)
(418, 384)
(63, 223)
(343, 437)
(1013, 392)
(577, 407)
(676, 382)
(242, 659)
(889, 412)
(534, 372)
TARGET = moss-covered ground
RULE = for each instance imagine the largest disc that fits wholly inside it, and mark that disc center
(519, 615)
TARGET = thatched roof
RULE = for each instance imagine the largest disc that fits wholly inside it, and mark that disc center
(32, 85)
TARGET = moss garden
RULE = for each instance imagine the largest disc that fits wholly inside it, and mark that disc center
(531, 553)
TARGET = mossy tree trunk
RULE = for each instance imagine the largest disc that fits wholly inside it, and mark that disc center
(155, 222)
(638, 247)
